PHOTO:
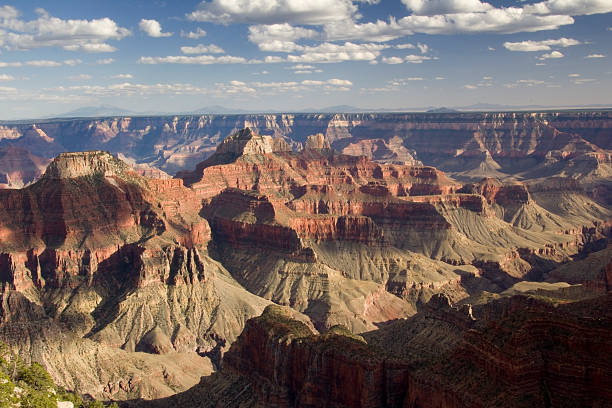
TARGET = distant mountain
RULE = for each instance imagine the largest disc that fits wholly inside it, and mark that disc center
(218, 110)
(96, 111)
(442, 110)
(342, 109)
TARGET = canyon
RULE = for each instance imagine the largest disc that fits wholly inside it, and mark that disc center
(356, 259)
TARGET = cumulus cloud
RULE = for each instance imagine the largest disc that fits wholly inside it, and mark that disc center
(5, 77)
(435, 7)
(41, 63)
(595, 56)
(530, 46)
(203, 49)
(380, 30)
(494, 20)
(194, 35)
(71, 62)
(570, 7)
(412, 59)
(105, 61)
(314, 12)
(304, 69)
(271, 88)
(467, 16)
(392, 60)
(122, 76)
(417, 59)
(330, 52)
(152, 28)
(552, 55)
(196, 60)
(221, 89)
(525, 82)
(279, 37)
(49, 31)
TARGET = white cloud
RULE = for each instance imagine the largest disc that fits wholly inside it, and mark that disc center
(330, 52)
(128, 89)
(302, 69)
(122, 76)
(570, 7)
(81, 77)
(436, 7)
(552, 55)
(203, 49)
(93, 47)
(43, 63)
(313, 12)
(439, 78)
(417, 59)
(470, 87)
(525, 82)
(423, 48)
(152, 28)
(72, 62)
(404, 46)
(530, 46)
(49, 31)
(487, 78)
(494, 20)
(280, 37)
(302, 66)
(198, 60)
(412, 59)
(580, 81)
(105, 61)
(194, 35)
(392, 60)
(595, 56)
(5, 77)
(468, 16)
(491, 49)
(348, 29)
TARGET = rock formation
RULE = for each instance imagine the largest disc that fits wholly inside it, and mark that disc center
(125, 285)
(513, 352)
(97, 262)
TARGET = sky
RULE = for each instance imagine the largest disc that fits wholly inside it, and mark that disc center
(291, 55)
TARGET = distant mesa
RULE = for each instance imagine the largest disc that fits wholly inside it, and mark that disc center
(80, 164)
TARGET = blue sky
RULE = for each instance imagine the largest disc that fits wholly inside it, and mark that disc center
(179, 56)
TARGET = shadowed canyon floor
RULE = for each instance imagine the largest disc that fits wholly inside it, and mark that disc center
(392, 275)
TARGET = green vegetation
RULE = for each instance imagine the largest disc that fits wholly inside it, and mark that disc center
(31, 386)
(341, 330)
(279, 320)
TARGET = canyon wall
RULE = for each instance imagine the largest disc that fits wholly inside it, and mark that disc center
(469, 143)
